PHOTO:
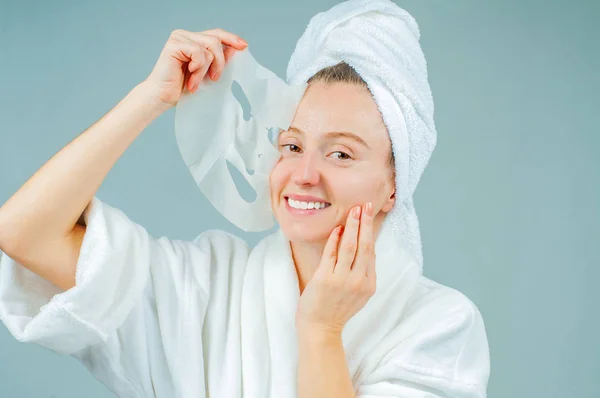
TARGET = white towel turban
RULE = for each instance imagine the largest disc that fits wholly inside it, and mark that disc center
(381, 42)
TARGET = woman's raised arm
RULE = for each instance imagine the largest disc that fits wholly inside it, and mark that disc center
(38, 224)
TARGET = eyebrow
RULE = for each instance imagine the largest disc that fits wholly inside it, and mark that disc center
(337, 134)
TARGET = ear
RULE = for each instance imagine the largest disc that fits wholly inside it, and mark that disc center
(388, 205)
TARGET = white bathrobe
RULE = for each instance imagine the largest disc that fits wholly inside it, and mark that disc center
(211, 318)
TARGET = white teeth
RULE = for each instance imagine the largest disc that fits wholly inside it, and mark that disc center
(296, 204)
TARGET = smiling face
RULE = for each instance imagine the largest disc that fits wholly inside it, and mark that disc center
(336, 153)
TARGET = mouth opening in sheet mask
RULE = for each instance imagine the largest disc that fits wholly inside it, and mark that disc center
(227, 133)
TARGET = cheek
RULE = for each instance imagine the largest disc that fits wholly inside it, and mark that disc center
(350, 188)
(358, 188)
(277, 178)
(273, 184)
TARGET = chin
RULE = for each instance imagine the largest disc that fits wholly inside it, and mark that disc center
(303, 233)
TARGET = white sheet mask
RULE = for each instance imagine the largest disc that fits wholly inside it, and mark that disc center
(210, 130)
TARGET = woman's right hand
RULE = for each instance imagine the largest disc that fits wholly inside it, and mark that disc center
(187, 57)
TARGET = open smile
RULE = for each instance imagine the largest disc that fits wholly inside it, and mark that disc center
(302, 207)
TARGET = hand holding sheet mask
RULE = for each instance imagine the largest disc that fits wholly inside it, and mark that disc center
(187, 57)
(211, 130)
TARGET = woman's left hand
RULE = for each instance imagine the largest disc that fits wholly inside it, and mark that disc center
(345, 278)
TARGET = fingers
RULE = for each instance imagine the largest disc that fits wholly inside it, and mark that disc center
(228, 51)
(366, 246)
(330, 253)
(228, 38)
(197, 59)
(348, 245)
(198, 70)
(213, 44)
(204, 57)
(224, 37)
(214, 41)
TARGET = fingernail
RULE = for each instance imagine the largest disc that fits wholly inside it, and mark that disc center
(357, 212)
(242, 41)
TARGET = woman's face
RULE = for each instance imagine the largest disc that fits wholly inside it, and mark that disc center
(335, 153)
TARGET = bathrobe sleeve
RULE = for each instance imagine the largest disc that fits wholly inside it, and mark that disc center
(125, 317)
(439, 350)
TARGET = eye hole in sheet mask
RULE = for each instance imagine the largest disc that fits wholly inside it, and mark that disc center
(245, 190)
(240, 96)
(226, 131)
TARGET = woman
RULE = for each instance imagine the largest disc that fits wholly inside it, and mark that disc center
(329, 305)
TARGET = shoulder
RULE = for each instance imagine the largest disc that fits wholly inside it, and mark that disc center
(431, 298)
(221, 247)
(220, 241)
(447, 312)
(209, 256)
(443, 335)
(208, 243)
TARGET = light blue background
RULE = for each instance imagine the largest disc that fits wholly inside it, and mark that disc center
(509, 205)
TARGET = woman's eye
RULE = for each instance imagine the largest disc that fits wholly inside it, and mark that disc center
(291, 147)
(342, 155)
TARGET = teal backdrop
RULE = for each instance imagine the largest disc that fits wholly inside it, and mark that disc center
(509, 204)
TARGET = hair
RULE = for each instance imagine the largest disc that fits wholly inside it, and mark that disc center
(344, 73)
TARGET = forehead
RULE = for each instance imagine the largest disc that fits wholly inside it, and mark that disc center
(339, 107)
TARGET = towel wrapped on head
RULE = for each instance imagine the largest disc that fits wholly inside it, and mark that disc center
(381, 42)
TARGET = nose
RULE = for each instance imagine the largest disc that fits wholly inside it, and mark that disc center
(306, 171)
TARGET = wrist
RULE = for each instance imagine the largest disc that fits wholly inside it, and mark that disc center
(318, 334)
(149, 94)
